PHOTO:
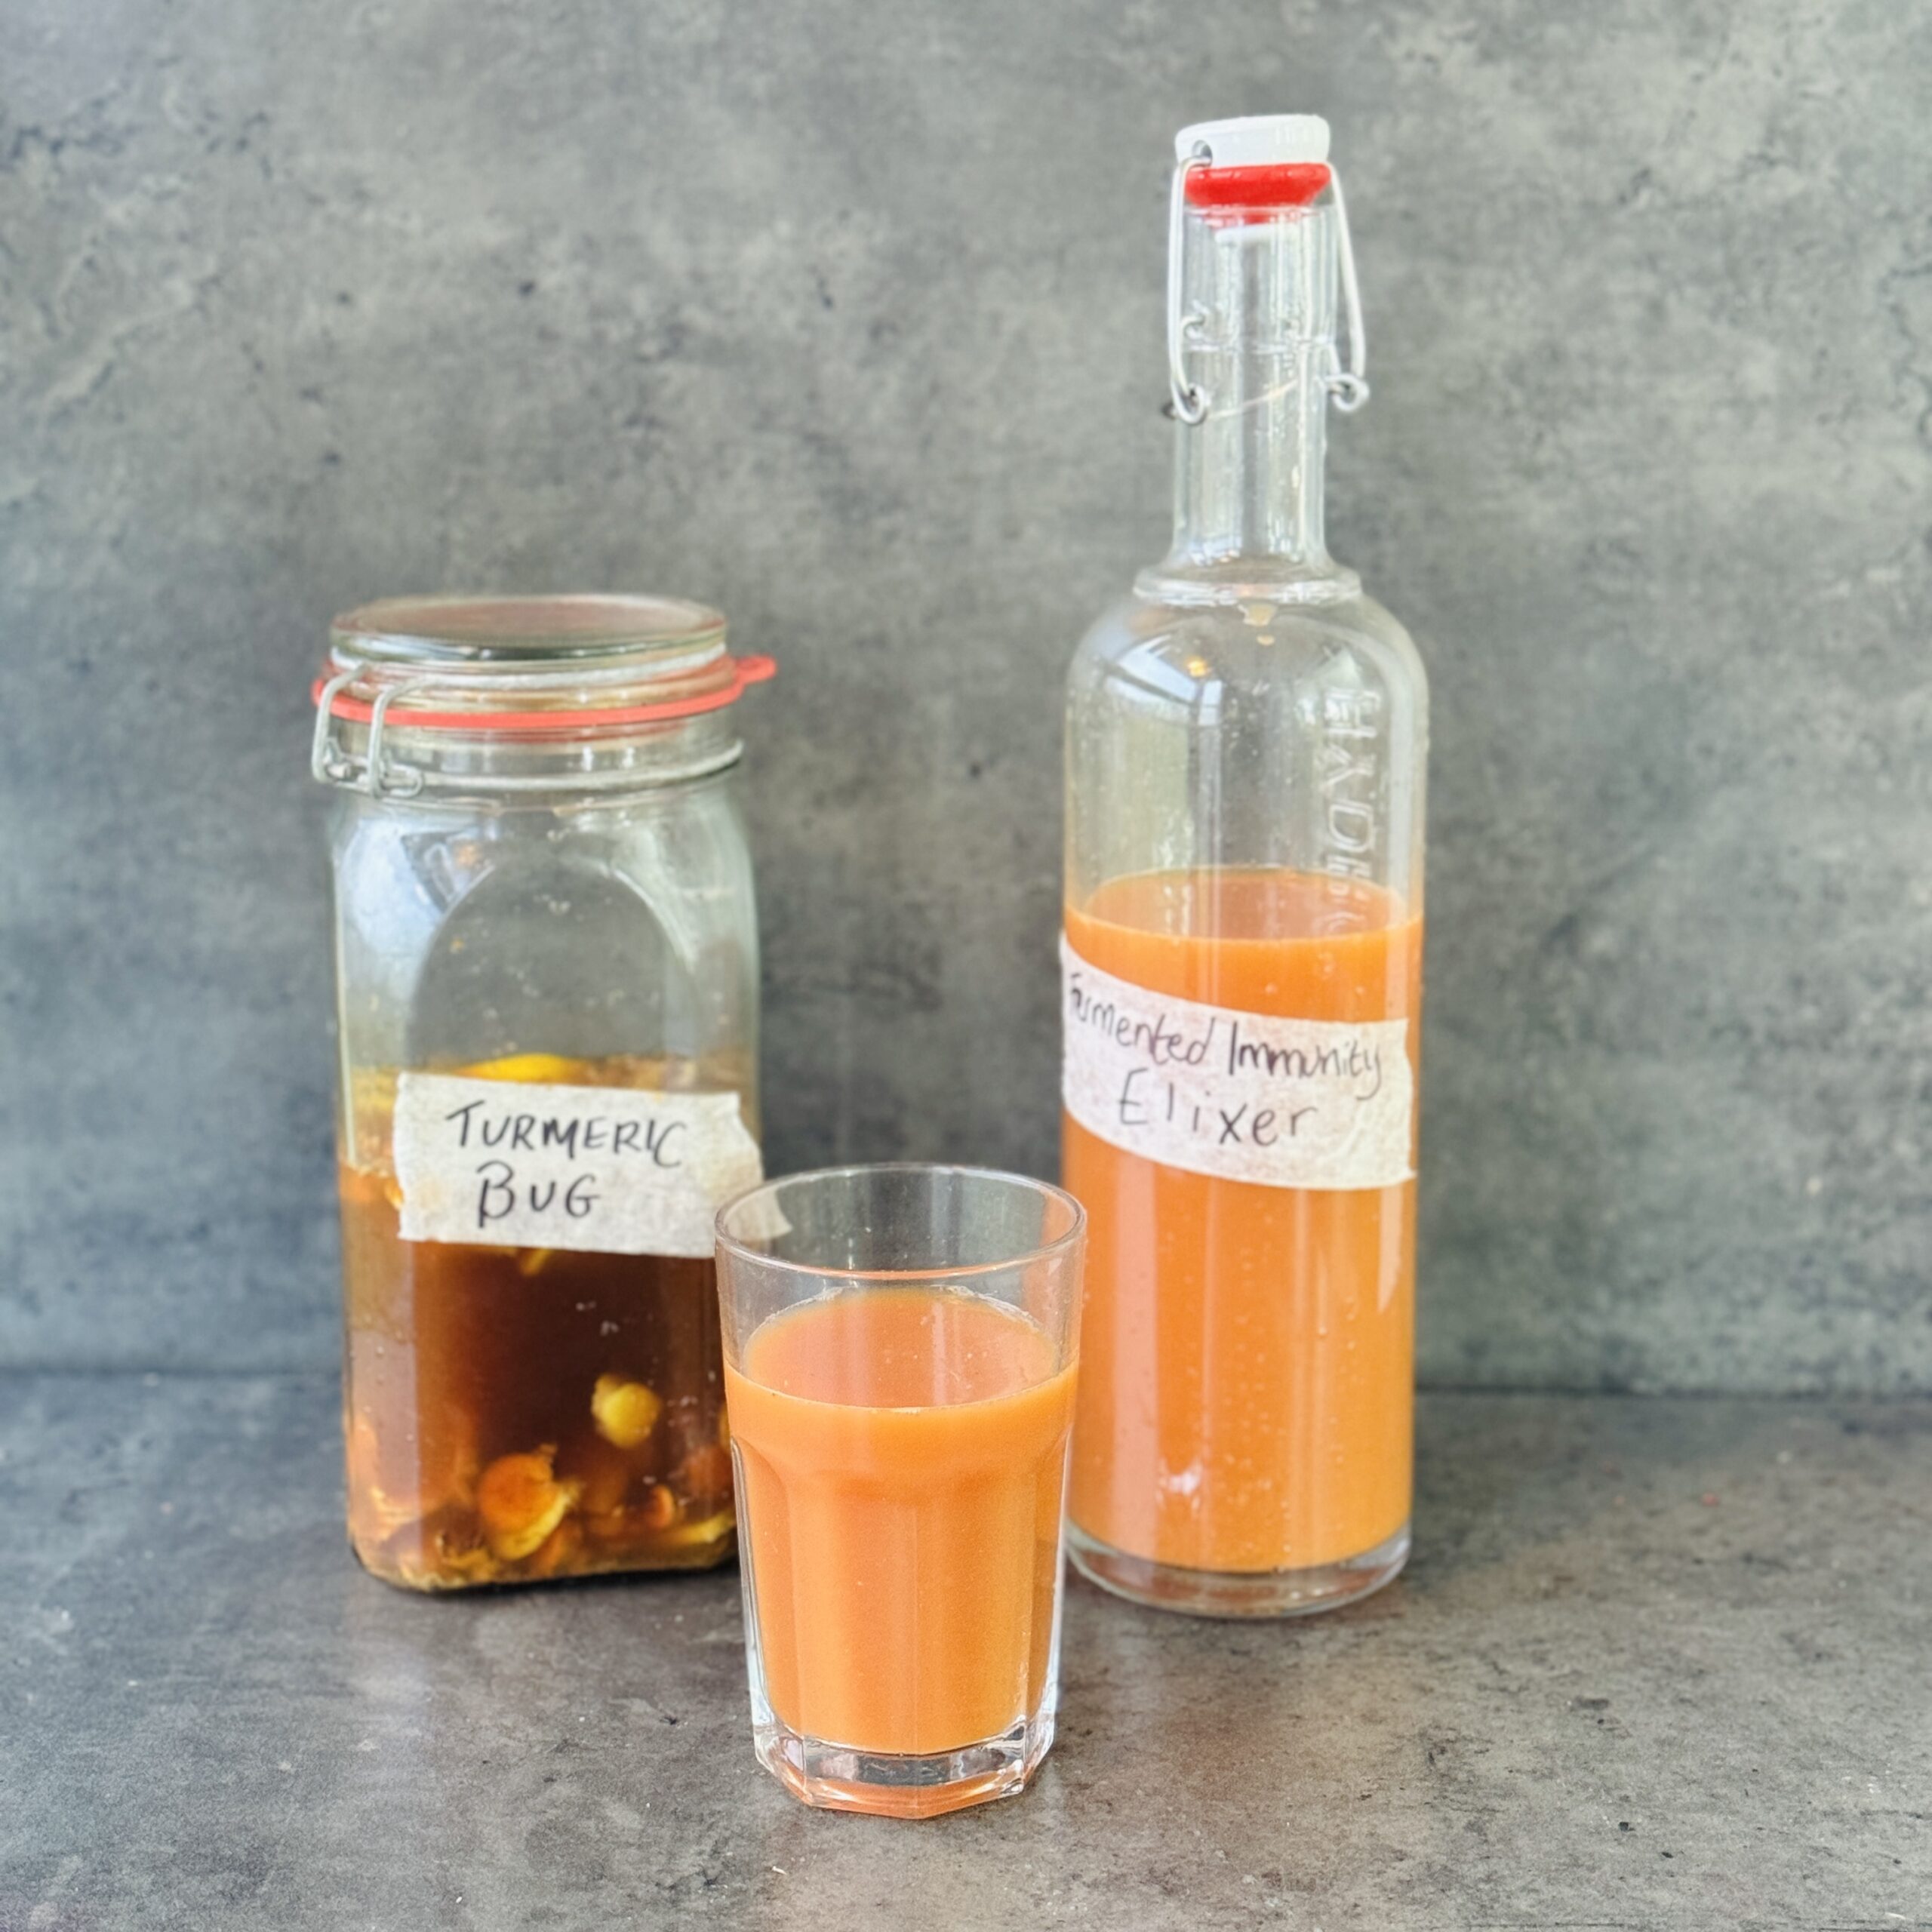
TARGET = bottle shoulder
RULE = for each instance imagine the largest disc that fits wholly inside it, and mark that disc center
(1188, 653)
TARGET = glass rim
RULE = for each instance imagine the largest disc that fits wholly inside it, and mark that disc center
(1074, 1232)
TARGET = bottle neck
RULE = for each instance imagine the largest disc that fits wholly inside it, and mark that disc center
(1258, 344)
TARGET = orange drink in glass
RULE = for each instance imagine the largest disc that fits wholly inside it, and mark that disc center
(901, 1354)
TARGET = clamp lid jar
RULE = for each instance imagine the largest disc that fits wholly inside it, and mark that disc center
(547, 985)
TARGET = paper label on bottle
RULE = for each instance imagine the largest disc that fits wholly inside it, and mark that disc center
(614, 1169)
(1250, 1096)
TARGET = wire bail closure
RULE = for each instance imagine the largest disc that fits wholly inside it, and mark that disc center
(1347, 382)
(380, 778)
(1189, 401)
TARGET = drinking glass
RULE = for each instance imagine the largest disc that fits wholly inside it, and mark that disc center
(900, 1344)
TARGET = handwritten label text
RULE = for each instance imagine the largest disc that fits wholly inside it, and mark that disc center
(619, 1170)
(1283, 1102)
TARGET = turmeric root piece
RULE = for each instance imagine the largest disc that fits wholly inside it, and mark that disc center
(625, 1412)
(604, 1474)
(697, 1532)
(522, 1501)
(659, 1509)
(644, 1521)
(455, 1552)
(561, 1550)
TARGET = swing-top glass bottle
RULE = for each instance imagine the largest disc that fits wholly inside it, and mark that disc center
(1246, 742)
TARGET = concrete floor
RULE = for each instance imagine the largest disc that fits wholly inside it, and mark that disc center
(1657, 1663)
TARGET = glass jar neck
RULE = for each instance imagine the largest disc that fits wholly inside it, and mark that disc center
(1257, 325)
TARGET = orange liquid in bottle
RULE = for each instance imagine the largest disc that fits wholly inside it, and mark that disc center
(1247, 1352)
(902, 1452)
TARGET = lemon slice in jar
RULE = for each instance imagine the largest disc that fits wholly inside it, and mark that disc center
(530, 1069)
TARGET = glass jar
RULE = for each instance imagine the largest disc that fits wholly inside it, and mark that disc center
(1246, 742)
(547, 963)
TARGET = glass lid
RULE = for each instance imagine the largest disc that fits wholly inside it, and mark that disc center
(522, 632)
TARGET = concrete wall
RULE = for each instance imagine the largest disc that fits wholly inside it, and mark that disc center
(846, 317)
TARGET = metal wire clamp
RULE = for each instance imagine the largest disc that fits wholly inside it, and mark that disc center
(331, 766)
(1347, 383)
(1188, 404)
(334, 766)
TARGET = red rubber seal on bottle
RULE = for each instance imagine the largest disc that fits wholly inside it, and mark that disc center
(1231, 191)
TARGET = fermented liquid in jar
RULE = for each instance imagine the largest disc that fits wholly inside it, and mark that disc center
(1242, 956)
(547, 986)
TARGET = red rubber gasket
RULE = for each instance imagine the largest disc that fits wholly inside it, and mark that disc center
(1285, 184)
(745, 672)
